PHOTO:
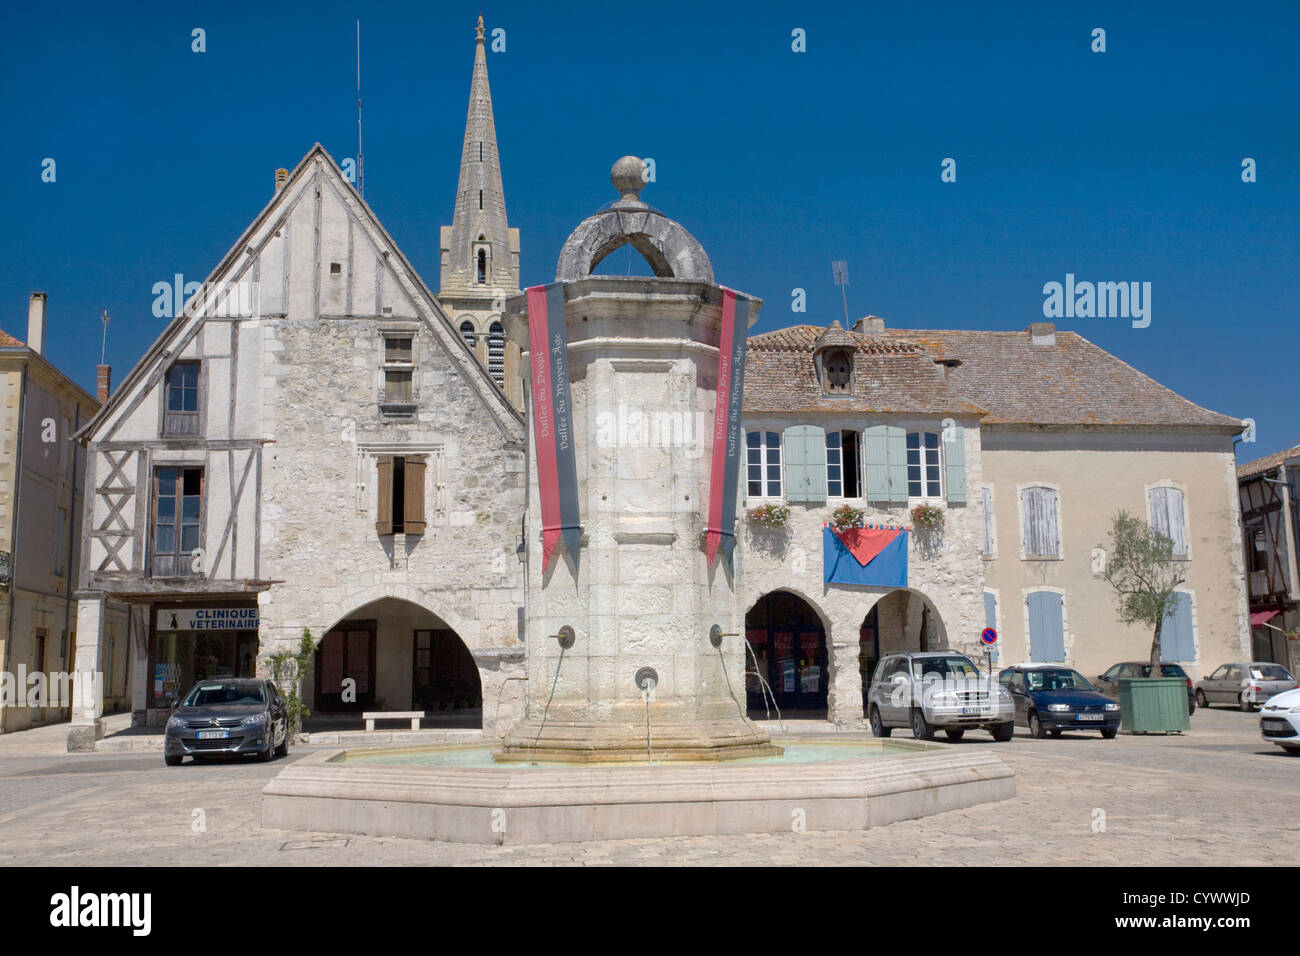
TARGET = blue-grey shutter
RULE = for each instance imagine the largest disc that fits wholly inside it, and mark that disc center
(896, 442)
(954, 459)
(805, 463)
(1176, 643)
(1046, 627)
(990, 610)
(875, 455)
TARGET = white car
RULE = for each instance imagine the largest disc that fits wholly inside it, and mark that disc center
(1279, 721)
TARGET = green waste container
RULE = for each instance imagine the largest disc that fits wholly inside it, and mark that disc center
(1153, 705)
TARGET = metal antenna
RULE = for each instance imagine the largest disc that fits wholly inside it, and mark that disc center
(840, 269)
(103, 346)
(361, 159)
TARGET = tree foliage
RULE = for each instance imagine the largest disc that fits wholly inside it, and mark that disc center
(288, 668)
(1141, 567)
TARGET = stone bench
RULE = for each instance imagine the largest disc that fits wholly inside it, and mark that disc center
(370, 716)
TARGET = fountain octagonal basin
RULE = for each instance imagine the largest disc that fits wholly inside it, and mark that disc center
(355, 792)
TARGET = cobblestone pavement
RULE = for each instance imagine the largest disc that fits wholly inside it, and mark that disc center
(1216, 795)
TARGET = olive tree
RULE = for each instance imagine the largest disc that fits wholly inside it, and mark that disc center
(1140, 566)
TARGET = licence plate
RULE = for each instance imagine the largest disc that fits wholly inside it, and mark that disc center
(214, 735)
(1088, 716)
(970, 710)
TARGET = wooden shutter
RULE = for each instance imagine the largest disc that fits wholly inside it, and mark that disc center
(987, 496)
(1167, 516)
(1046, 627)
(384, 510)
(1038, 506)
(413, 504)
(990, 610)
(896, 440)
(1176, 640)
(954, 459)
(805, 463)
(875, 455)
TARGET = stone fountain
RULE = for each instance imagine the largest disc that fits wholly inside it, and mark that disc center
(635, 722)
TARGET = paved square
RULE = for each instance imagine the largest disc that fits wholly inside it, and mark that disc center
(1216, 795)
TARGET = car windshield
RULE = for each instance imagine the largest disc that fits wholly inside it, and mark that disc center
(944, 666)
(1166, 670)
(1056, 679)
(1269, 672)
(206, 695)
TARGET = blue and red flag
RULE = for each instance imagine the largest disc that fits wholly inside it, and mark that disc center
(724, 476)
(875, 556)
(552, 410)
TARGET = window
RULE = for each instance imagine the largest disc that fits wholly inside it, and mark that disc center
(182, 411)
(1168, 516)
(482, 266)
(398, 371)
(178, 496)
(843, 457)
(923, 470)
(763, 464)
(497, 354)
(837, 371)
(467, 333)
(1041, 523)
(401, 495)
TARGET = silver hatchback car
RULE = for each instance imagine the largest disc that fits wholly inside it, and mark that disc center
(931, 690)
(1244, 684)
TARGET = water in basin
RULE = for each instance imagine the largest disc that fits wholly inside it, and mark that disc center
(480, 755)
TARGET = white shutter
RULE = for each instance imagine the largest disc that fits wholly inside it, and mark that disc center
(1041, 533)
(987, 496)
(1167, 516)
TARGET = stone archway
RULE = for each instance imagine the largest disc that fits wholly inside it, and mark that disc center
(788, 659)
(391, 653)
(904, 619)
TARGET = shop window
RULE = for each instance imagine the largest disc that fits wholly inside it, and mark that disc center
(401, 495)
(178, 501)
(179, 659)
(181, 417)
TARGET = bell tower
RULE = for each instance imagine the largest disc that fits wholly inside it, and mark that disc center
(479, 251)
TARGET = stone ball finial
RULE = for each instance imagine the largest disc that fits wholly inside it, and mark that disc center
(628, 177)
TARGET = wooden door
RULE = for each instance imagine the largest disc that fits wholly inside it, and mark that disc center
(347, 653)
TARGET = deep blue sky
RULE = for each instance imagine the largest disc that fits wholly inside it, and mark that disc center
(1117, 166)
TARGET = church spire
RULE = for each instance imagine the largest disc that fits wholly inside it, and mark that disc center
(480, 252)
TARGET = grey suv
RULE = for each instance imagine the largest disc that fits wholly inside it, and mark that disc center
(930, 690)
(228, 716)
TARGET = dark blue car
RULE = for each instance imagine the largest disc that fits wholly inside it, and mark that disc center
(1051, 699)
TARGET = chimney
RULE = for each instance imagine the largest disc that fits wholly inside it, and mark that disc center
(103, 379)
(36, 323)
(281, 177)
(1042, 333)
(872, 323)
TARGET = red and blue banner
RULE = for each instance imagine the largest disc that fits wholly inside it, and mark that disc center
(874, 556)
(724, 476)
(552, 411)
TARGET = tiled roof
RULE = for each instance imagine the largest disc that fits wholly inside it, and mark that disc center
(1267, 463)
(7, 341)
(835, 336)
(1069, 383)
(889, 376)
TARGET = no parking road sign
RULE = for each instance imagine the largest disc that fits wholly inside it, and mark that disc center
(988, 637)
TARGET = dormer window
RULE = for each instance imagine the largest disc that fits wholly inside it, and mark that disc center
(837, 371)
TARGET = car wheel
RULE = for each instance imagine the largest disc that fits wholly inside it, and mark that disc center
(269, 751)
(920, 729)
(955, 733)
(1243, 703)
(283, 749)
(1201, 700)
(878, 728)
(1036, 725)
(1056, 733)
(172, 760)
(1003, 732)
(1109, 732)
